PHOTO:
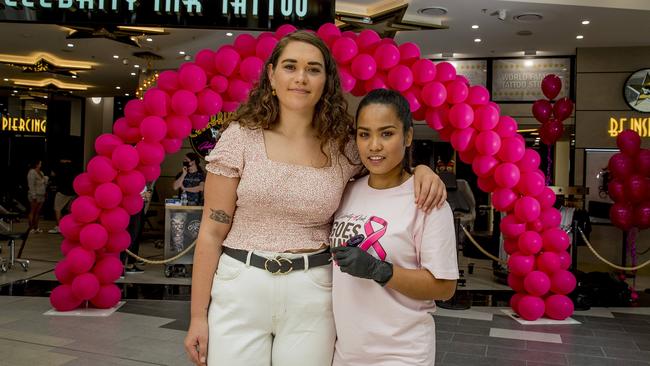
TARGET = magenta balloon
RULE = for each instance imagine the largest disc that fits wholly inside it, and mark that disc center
(80, 260)
(507, 127)
(184, 102)
(486, 184)
(108, 270)
(115, 219)
(100, 169)
(344, 50)
(409, 53)
(488, 142)
(512, 150)
(70, 227)
(153, 129)
(531, 183)
(328, 32)
(62, 270)
(551, 86)
(461, 115)
(516, 298)
(62, 298)
(168, 81)
(434, 94)
(132, 204)
(347, 80)
(537, 283)
(107, 296)
(478, 95)
(400, 78)
(209, 102)
(151, 153)
(621, 166)
(642, 215)
(503, 199)
(486, 118)
(636, 188)
(226, 60)
(118, 241)
(121, 127)
(284, 29)
(85, 286)
(205, 60)
(413, 97)
(251, 68)
(563, 282)
(134, 111)
(506, 175)
(484, 165)
(125, 157)
(565, 260)
(108, 195)
(83, 185)
(529, 243)
(171, 145)
(132, 135)
(527, 209)
(468, 155)
(150, 172)
(563, 108)
(376, 82)
(445, 72)
(549, 262)
(386, 56)
(457, 92)
(510, 245)
(622, 215)
(511, 227)
(367, 40)
(363, 67)
(531, 307)
(93, 236)
(438, 118)
(178, 127)
(530, 161)
(535, 225)
(521, 265)
(265, 46)
(106, 143)
(218, 83)
(200, 121)
(228, 106)
(66, 246)
(424, 71)
(643, 162)
(550, 218)
(559, 307)
(461, 139)
(131, 182)
(84, 209)
(238, 90)
(515, 282)
(157, 103)
(542, 110)
(555, 240)
(551, 131)
(546, 198)
(245, 44)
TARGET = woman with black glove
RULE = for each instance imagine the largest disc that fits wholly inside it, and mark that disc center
(392, 260)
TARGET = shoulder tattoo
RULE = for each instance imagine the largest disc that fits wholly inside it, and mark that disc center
(220, 216)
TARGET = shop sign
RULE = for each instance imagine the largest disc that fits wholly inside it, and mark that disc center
(639, 124)
(519, 80)
(203, 141)
(23, 125)
(637, 91)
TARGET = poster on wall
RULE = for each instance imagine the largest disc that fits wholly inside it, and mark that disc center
(519, 80)
(474, 70)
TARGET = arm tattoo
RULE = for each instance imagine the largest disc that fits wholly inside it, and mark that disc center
(220, 216)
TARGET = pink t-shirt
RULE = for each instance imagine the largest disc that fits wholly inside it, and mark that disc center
(377, 325)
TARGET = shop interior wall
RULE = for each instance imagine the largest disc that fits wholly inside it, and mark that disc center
(601, 74)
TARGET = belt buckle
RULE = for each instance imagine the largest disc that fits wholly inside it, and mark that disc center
(279, 262)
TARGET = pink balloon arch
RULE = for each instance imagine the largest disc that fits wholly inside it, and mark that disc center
(95, 231)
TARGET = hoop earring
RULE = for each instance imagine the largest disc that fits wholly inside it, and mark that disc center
(273, 92)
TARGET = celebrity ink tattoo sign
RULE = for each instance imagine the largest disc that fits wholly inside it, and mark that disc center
(229, 14)
(203, 141)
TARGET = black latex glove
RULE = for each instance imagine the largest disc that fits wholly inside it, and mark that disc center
(359, 263)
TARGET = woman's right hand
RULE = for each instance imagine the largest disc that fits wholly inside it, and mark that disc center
(196, 341)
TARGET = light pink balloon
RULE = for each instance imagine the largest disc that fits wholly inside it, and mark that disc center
(251, 68)
(457, 92)
(219, 83)
(484, 165)
(400, 78)
(478, 95)
(209, 102)
(531, 307)
(530, 161)
(70, 227)
(527, 209)
(84, 209)
(83, 185)
(387, 56)
(507, 126)
(226, 60)
(132, 204)
(486, 118)
(108, 270)
(506, 175)
(503, 199)
(115, 219)
(245, 44)
(363, 67)
(488, 142)
(461, 139)
(461, 115)
(107, 296)
(563, 282)
(178, 127)
(156, 102)
(555, 240)
(62, 298)
(512, 149)
(521, 265)
(559, 307)
(108, 195)
(100, 169)
(184, 102)
(80, 260)
(131, 182)
(265, 46)
(511, 227)
(529, 243)
(549, 262)
(537, 283)
(409, 53)
(445, 72)
(168, 81)
(134, 111)
(151, 153)
(424, 71)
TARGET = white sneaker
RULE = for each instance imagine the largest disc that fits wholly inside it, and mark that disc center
(54, 230)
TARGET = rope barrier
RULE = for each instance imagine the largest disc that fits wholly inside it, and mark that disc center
(165, 261)
(487, 254)
(635, 268)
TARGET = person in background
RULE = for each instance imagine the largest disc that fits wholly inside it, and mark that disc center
(37, 184)
(136, 224)
(191, 180)
(392, 260)
(64, 176)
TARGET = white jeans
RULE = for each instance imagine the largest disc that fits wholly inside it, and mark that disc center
(260, 319)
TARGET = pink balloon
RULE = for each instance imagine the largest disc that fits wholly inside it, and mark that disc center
(344, 50)
(506, 175)
(550, 218)
(80, 260)
(621, 215)
(125, 157)
(121, 128)
(420, 114)
(463, 79)
(512, 150)
(424, 71)
(549, 262)
(546, 199)
(347, 80)
(284, 29)
(555, 240)
(250, 69)
(413, 97)
(434, 94)
(537, 283)
(400, 78)
(200, 121)
(107, 296)
(367, 40)
(363, 67)
(209, 102)
(478, 95)
(542, 110)
(486, 118)
(521, 265)
(66, 247)
(531, 307)
(437, 118)
(118, 241)
(484, 165)
(134, 112)
(359, 89)
(115, 219)
(461, 115)
(106, 143)
(150, 172)
(265, 46)
(226, 60)
(551, 131)
(516, 282)
(132, 204)
(151, 153)
(85, 286)
(559, 307)
(131, 182)
(642, 215)
(409, 53)
(156, 102)
(507, 126)
(84, 209)
(387, 56)
(531, 183)
(184, 102)
(457, 92)
(219, 83)
(636, 188)
(565, 260)
(529, 243)
(511, 227)
(62, 270)
(108, 195)
(100, 169)
(376, 82)
(83, 185)
(93, 236)
(527, 209)
(551, 86)
(108, 270)
(530, 161)
(643, 162)
(245, 44)
(171, 145)
(461, 139)
(328, 32)
(503, 199)
(468, 155)
(535, 225)
(192, 77)
(488, 142)
(486, 184)
(445, 72)
(563, 282)
(178, 127)
(168, 81)
(70, 228)
(510, 246)
(62, 298)
(516, 298)
(238, 90)
(205, 60)
(153, 129)
(563, 108)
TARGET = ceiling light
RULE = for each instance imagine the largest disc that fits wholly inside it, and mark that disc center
(45, 82)
(475, 26)
(96, 100)
(528, 63)
(149, 39)
(580, 36)
(585, 22)
(118, 88)
(45, 96)
(70, 45)
(133, 74)
(136, 66)
(6, 79)
(15, 91)
(181, 52)
(126, 94)
(116, 56)
(74, 76)
(229, 34)
(477, 40)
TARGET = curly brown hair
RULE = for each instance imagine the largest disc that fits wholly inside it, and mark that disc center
(331, 120)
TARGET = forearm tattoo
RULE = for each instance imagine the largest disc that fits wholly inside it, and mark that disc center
(220, 216)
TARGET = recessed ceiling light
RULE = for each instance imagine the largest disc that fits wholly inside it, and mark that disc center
(15, 91)
(118, 88)
(126, 94)
(585, 22)
(136, 66)
(45, 96)
(475, 26)
(116, 56)
(133, 74)
(6, 79)
(477, 40)
(580, 36)
(70, 45)
(74, 76)
(149, 39)
(181, 52)
(229, 34)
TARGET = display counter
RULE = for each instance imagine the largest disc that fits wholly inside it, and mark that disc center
(181, 230)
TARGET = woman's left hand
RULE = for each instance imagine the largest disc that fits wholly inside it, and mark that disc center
(430, 191)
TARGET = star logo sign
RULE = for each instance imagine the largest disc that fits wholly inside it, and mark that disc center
(638, 93)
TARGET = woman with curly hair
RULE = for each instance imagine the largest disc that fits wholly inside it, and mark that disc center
(262, 276)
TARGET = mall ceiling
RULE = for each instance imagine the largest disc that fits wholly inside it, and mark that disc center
(506, 28)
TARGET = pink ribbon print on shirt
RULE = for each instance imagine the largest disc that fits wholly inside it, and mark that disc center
(372, 236)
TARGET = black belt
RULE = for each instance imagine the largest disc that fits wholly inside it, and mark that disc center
(279, 265)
